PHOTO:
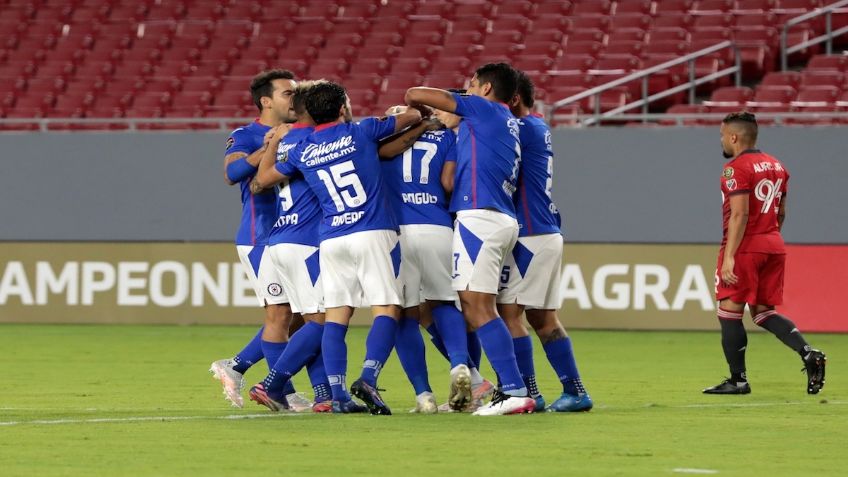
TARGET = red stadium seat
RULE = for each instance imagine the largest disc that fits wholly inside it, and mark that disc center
(552, 35)
(668, 20)
(668, 34)
(730, 96)
(477, 9)
(719, 22)
(624, 48)
(590, 23)
(574, 63)
(828, 63)
(642, 7)
(592, 8)
(517, 9)
(590, 48)
(521, 24)
(782, 78)
(772, 98)
(582, 36)
(756, 20)
(543, 48)
(553, 9)
(754, 6)
(797, 7)
(459, 64)
(711, 7)
(531, 63)
(639, 22)
(672, 6)
(554, 22)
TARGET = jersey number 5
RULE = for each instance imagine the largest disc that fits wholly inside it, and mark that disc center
(344, 180)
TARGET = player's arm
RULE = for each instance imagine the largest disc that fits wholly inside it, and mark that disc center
(433, 97)
(239, 165)
(781, 214)
(406, 119)
(735, 232)
(267, 176)
(394, 145)
(448, 173)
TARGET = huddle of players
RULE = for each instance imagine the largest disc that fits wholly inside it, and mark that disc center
(363, 216)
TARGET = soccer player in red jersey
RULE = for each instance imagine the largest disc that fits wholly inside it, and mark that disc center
(752, 256)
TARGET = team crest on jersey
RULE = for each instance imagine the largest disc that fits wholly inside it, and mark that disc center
(730, 184)
(230, 142)
(275, 289)
(728, 172)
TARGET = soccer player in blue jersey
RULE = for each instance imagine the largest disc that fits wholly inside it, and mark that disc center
(486, 229)
(530, 278)
(271, 91)
(293, 241)
(359, 250)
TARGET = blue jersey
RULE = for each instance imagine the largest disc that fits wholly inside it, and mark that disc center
(339, 162)
(298, 210)
(487, 156)
(537, 213)
(413, 179)
(258, 212)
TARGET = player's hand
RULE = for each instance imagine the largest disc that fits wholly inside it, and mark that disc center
(281, 131)
(727, 275)
(426, 111)
(268, 136)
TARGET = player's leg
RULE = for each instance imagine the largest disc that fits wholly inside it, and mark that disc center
(377, 254)
(341, 294)
(560, 353)
(734, 340)
(425, 319)
(770, 294)
(410, 351)
(482, 238)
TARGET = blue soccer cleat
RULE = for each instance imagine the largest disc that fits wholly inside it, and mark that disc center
(348, 407)
(571, 403)
(540, 403)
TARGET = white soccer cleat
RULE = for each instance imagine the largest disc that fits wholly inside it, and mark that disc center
(231, 380)
(425, 403)
(503, 404)
(460, 387)
(299, 402)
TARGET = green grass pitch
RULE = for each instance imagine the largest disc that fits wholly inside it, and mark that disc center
(138, 400)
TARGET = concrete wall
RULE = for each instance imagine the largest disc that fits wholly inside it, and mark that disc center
(613, 185)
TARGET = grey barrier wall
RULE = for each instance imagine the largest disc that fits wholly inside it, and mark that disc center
(612, 184)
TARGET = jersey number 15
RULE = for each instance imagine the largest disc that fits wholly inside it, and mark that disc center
(344, 185)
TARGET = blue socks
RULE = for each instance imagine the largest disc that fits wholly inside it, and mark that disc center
(524, 358)
(301, 349)
(272, 352)
(496, 341)
(251, 354)
(378, 347)
(410, 350)
(436, 339)
(318, 378)
(475, 352)
(451, 325)
(334, 349)
(561, 355)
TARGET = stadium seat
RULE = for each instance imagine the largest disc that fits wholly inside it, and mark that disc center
(626, 7)
(590, 23)
(683, 109)
(712, 7)
(666, 7)
(592, 8)
(553, 9)
(590, 48)
(782, 78)
(828, 63)
(517, 9)
(674, 34)
(574, 63)
(636, 22)
(822, 78)
(730, 96)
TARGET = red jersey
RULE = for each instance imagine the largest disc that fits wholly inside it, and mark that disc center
(765, 180)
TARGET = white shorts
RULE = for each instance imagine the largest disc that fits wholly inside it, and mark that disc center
(532, 273)
(482, 239)
(425, 267)
(361, 269)
(300, 271)
(262, 275)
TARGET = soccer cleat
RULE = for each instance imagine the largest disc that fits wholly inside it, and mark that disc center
(729, 387)
(232, 380)
(540, 403)
(482, 391)
(572, 403)
(814, 366)
(425, 403)
(323, 406)
(371, 397)
(503, 404)
(299, 403)
(258, 394)
(348, 407)
(460, 387)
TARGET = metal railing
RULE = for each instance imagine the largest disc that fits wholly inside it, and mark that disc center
(644, 76)
(806, 119)
(128, 124)
(827, 38)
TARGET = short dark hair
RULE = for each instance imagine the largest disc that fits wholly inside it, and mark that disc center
(501, 76)
(457, 90)
(526, 89)
(261, 85)
(747, 121)
(324, 101)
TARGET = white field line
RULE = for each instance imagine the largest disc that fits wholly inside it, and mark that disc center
(723, 405)
(687, 470)
(49, 422)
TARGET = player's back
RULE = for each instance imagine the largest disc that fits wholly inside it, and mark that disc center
(765, 180)
(487, 156)
(413, 179)
(298, 210)
(258, 211)
(536, 212)
(341, 166)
